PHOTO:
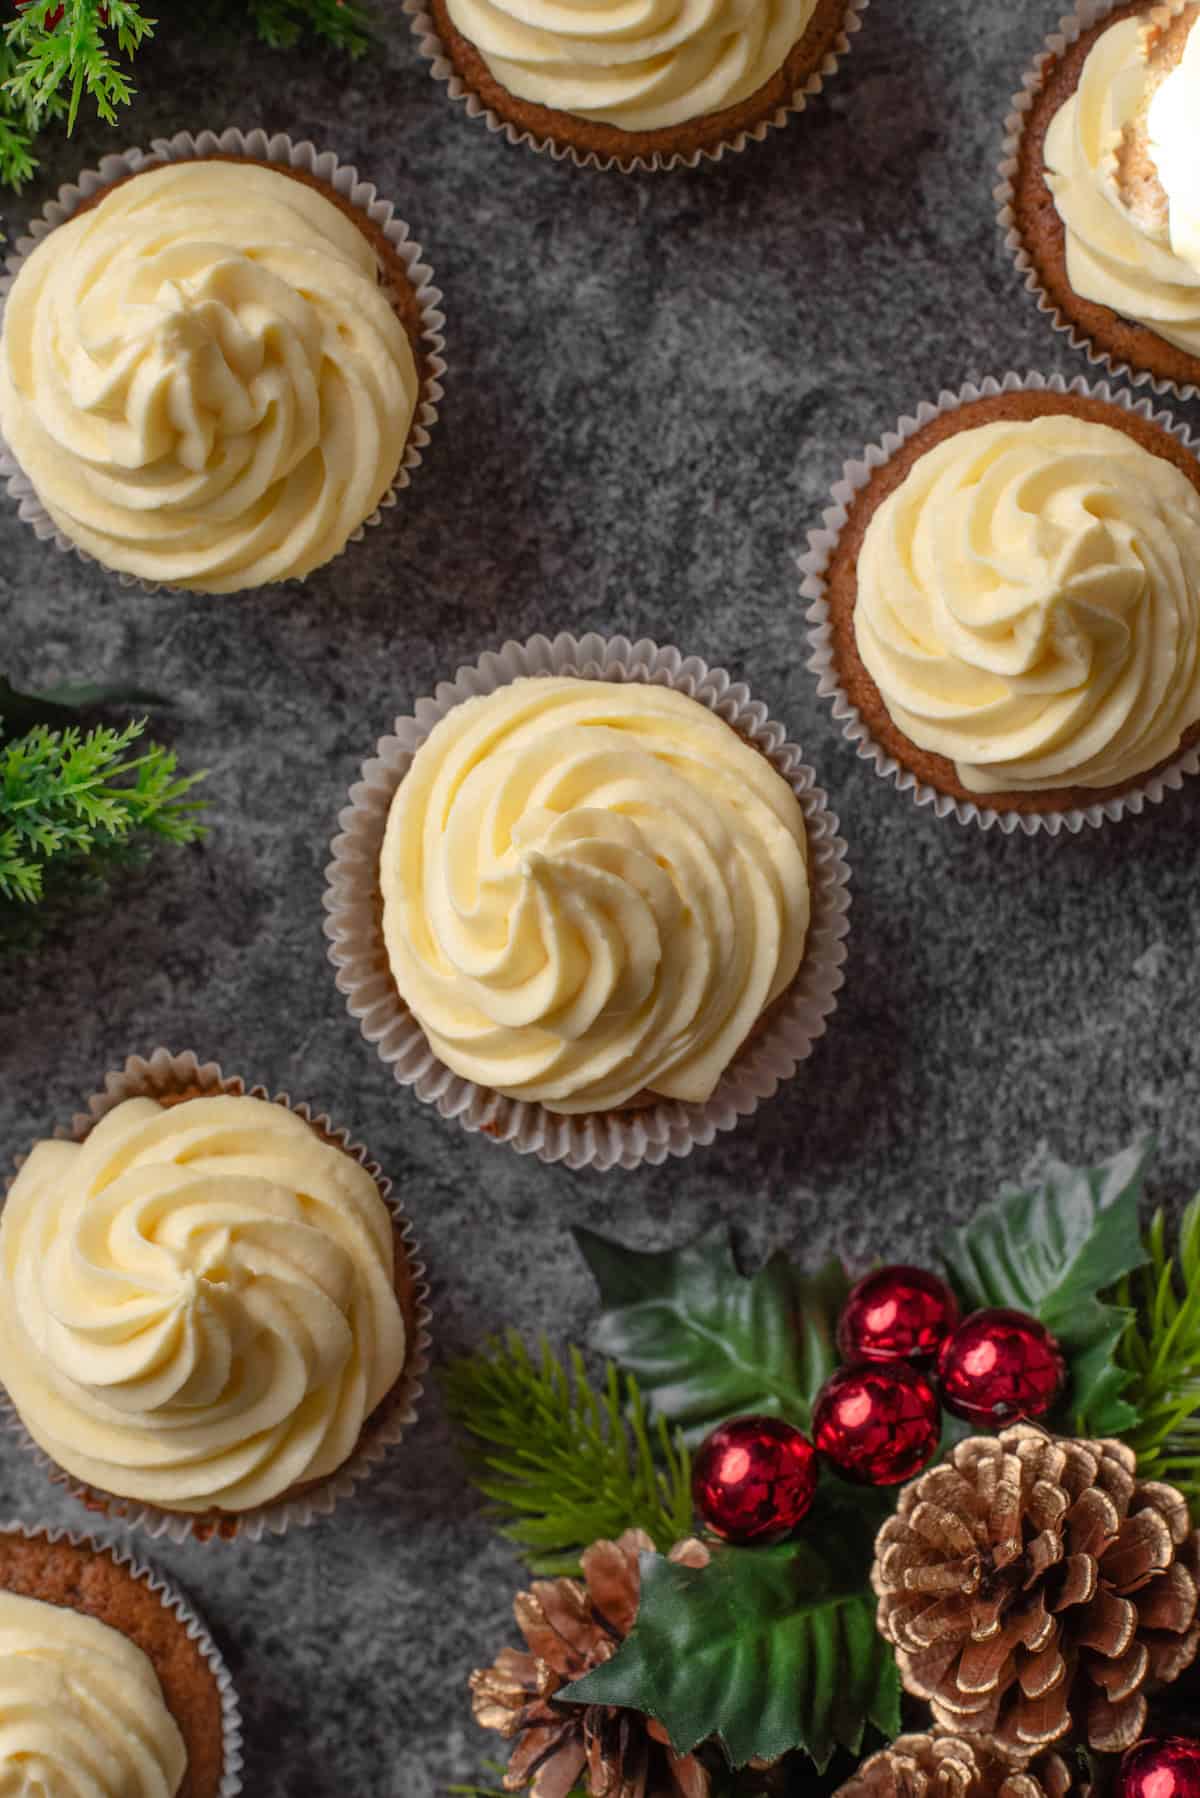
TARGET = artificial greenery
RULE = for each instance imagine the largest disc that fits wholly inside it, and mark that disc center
(76, 804)
(1055, 1249)
(1160, 1350)
(59, 55)
(562, 1464)
(766, 1650)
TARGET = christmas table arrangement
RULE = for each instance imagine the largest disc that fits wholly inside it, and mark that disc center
(931, 1535)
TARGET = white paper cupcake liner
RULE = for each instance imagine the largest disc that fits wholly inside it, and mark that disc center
(815, 563)
(431, 47)
(1070, 29)
(194, 1625)
(163, 1073)
(255, 146)
(614, 1139)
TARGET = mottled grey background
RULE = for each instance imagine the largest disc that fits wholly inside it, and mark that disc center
(653, 383)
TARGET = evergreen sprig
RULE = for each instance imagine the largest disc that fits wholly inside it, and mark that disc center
(1161, 1350)
(561, 1463)
(55, 54)
(75, 805)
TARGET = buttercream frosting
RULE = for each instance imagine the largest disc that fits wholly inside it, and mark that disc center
(81, 1709)
(591, 889)
(1116, 256)
(1029, 604)
(204, 379)
(198, 1306)
(1173, 129)
(641, 65)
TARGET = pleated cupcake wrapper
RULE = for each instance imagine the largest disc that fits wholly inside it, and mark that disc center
(175, 1601)
(442, 68)
(814, 566)
(157, 1077)
(255, 146)
(1070, 29)
(603, 1140)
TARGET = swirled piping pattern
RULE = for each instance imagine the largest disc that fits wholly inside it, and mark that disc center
(204, 379)
(198, 1306)
(81, 1710)
(592, 889)
(642, 65)
(1118, 256)
(1029, 604)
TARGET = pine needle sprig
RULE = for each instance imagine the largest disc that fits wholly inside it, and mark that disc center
(73, 55)
(1161, 1350)
(562, 1464)
(281, 24)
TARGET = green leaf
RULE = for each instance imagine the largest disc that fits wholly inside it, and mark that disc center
(704, 1341)
(60, 706)
(1052, 1250)
(766, 1649)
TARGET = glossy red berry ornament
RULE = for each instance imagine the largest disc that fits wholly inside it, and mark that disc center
(1000, 1366)
(753, 1479)
(1166, 1767)
(896, 1314)
(879, 1424)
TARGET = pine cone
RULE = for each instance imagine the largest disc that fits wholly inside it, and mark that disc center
(1033, 1585)
(944, 1766)
(571, 1627)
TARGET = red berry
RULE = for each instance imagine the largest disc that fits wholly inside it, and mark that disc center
(879, 1424)
(754, 1478)
(1000, 1366)
(896, 1314)
(1168, 1767)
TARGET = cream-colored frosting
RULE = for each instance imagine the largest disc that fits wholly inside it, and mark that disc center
(81, 1709)
(1029, 604)
(1173, 128)
(641, 65)
(204, 379)
(1114, 258)
(591, 889)
(198, 1307)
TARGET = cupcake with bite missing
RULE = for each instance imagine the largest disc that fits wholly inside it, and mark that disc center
(218, 368)
(651, 86)
(1007, 604)
(1101, 187)
(211, 1321)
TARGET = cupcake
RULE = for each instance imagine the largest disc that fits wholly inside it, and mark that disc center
(590, 903)
(654, 89)
(1101, 190)
(215, 370)
(109, 1683)
(1008, 604)
(207, 1312)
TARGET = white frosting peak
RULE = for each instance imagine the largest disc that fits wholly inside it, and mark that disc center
(1174, 134)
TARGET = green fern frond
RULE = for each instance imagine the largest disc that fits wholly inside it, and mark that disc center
(1161, 1349)
(562, 1464)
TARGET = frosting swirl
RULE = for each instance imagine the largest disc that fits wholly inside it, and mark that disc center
(591, 889)
(1173, 130)
(81, 1710)
(1118, 257)
(203, 378)
(198, 1306)
(1029, 604)
(641, 65)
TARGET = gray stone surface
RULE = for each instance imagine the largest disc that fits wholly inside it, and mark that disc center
(653, 383)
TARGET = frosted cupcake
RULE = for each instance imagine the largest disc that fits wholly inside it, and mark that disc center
(1102, 187)
(1009, 612)
(211, 374)
(207, 1311)
(108, 1682)
(650, 85)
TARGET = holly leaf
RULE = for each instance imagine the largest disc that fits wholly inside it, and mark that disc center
(704, 1341)
(1052, 1250)
(765, 1649)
